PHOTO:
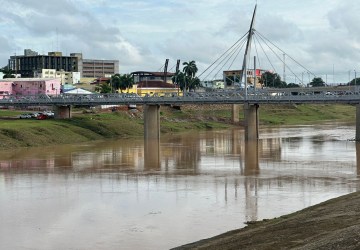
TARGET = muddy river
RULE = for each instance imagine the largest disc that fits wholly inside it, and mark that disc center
(116, 195)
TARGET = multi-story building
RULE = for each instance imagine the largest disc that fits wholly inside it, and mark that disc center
(65, 77)
(29, 86)
(99, 68)
(146, 76)
(31, 63)
(232, 77)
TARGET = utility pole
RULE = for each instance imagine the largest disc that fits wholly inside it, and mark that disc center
(254, 73)
(284, 76)
(355, 77)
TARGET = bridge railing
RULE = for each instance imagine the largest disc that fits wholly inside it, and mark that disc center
(260, 96)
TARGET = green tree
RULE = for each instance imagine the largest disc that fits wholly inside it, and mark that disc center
(121, 82)
(354, 81)
(293, 85)
(272, 80)
(317, 82)
(194, 83)
(8, 73)
(189, 81)
(179, 79)
(103, 88)
(190, 68)
(114, 82)
(126, 82)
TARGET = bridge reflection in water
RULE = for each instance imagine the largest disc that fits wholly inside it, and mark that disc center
(211, 180)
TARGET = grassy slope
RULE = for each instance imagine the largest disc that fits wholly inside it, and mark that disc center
(85, 127)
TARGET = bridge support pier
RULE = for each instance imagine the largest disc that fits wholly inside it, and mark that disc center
(62, 112)
(152, 136)
(251, 121)
(151, 122)
(235, 108)
(357, 135)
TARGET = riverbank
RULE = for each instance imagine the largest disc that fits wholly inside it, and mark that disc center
(334, 224)
(89, 125)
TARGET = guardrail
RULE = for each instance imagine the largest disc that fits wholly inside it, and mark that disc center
(258, 96)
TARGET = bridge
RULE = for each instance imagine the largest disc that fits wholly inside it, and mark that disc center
(250, 99)
(345, 95)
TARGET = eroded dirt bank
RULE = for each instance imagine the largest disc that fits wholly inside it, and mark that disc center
(334, 224)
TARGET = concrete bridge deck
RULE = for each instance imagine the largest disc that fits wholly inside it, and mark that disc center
(348, 95)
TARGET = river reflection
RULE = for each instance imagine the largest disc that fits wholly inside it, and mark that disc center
(126, 195)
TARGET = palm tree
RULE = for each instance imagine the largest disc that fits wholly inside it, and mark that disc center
(103, 88)
(127, 82)
(190, 68)
(194, 83)
(115, 82)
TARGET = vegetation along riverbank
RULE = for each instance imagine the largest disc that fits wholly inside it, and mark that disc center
(89, 125)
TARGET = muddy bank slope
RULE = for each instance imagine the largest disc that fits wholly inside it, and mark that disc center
(334, 224)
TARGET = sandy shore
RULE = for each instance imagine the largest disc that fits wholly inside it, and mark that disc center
(334, 224)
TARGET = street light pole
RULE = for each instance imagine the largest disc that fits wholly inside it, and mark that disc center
(302, 78)
(355, 77)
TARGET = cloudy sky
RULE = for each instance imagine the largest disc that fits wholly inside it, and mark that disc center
(323, 36)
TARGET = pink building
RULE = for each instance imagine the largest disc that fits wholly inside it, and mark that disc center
(6, 88)
(30, 86)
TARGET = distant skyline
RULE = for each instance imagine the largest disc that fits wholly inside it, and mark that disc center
(322, 36)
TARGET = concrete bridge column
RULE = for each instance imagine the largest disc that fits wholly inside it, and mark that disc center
(251, 121)
(62, 112)
(152, 136)
(151, 122)
(357, 136)
(235, 113)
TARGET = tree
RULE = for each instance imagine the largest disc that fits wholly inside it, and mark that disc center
(189, 81)
(103, 88)
(293, 85)
(8, 73)
(190, 68)
(317, 82)
(179, 79)
(126, 82)
(272, 80)
(193, 83)
(355, 81)
(114, 82)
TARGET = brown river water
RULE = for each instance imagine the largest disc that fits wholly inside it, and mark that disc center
(116, 195)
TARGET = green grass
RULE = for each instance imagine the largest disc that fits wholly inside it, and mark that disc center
(305, 114)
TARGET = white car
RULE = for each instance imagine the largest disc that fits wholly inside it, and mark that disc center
(49, 113)
(25, 116)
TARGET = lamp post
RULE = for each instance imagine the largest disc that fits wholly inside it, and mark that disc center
(355, 77)
(302, 78)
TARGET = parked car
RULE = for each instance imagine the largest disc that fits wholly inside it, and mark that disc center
(49, 114)
(42, 117)
(34, 115)
(25, 116)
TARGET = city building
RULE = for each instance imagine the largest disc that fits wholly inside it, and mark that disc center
(146, 76)
(65, 77)
(31, 64)
(153, 83)
(232, 77)
(29, 86)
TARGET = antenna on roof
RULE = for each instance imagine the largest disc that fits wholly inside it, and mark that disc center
(165, 69)
(57, 40)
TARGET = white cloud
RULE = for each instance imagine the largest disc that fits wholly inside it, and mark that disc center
(142, 34)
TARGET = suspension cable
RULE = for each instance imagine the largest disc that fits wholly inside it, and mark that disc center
(223, 54)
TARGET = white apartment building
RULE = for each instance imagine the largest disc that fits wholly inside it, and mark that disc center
(65, 77)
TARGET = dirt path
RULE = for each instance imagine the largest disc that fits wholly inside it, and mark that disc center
(334, 224)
